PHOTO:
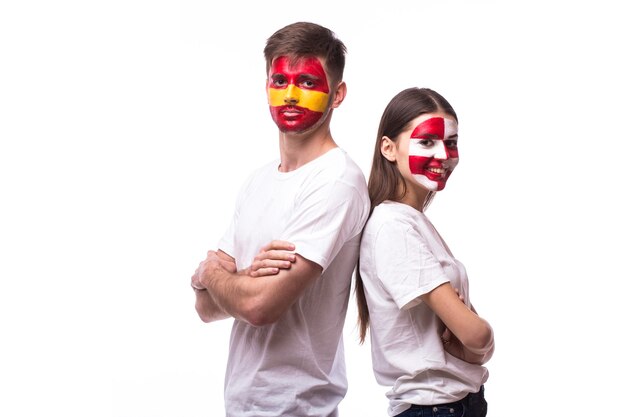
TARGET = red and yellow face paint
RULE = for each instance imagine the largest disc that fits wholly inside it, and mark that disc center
(433, 152)
(297, 92)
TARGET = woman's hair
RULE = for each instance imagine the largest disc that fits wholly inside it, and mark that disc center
(303, 39)
(385, 181)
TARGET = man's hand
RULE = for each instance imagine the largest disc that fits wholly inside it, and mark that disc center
(207, 308)
(273, 257)
(213, 260)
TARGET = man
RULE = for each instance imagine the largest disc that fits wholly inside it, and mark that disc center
(289, 300)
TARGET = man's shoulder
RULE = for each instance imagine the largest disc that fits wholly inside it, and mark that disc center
(270, 166)
(263, 170)
(338, 165)
(255, 178)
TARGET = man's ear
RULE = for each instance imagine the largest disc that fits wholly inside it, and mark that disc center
(388, 149)
(340, 94)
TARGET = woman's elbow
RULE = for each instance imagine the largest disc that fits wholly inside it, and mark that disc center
(481, 339)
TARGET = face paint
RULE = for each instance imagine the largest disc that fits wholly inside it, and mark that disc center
(433, 152)
(297, 93)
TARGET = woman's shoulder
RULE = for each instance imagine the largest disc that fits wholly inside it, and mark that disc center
(395, 211)
(391, 215)
(399, 218)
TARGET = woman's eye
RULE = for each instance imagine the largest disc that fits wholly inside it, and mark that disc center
(425, 142)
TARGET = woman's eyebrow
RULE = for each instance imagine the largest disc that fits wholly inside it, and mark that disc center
(426, 136)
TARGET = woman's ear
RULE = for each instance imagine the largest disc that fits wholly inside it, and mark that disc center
(388, 149)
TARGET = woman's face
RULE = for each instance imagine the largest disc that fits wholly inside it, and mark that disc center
(427, 152)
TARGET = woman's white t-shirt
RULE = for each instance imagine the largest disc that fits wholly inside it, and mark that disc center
(403, 257)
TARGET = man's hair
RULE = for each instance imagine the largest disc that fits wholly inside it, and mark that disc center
(304, 39)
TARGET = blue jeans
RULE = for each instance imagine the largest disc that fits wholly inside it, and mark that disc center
(473, 405)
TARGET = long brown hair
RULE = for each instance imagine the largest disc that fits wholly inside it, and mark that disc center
(385, 181)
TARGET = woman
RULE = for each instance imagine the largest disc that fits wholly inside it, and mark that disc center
(428, 343)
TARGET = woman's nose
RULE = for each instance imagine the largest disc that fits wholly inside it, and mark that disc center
(440, 150)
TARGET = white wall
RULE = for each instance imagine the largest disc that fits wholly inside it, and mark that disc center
(126, 128)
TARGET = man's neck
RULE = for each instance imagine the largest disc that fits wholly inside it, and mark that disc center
(298, 150)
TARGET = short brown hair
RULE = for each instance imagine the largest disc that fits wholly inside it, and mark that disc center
(303, 39)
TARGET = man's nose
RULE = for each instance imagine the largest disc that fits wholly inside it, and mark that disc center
(292, 95)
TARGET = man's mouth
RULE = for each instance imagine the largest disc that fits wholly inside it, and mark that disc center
(290, 112)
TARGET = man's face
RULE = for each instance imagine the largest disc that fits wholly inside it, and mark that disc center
(433, 152)
(298, 93)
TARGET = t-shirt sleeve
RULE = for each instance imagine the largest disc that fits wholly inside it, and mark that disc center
(324, 219)
(227, 242)
(405, 264)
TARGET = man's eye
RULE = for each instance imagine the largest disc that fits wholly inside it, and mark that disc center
(452, 144)
(307, 84)
(279, 82)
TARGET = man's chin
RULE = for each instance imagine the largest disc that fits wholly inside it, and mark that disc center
(298, 125)
(294, 128)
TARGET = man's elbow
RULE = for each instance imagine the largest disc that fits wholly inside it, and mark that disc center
(259, 320)
(204, 316)
(259, 312)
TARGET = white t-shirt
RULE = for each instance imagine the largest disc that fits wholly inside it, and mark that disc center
(295, 367)
(402, 258)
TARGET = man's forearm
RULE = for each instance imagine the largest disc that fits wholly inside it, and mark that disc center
(207, 308)
(258, 300)
(230, 294)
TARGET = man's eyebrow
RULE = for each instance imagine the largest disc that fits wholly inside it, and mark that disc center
(306, 75)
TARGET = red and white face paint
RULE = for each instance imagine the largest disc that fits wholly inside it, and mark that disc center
(433, 152)
(298, 93)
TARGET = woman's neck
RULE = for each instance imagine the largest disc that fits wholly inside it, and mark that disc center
(415, 196)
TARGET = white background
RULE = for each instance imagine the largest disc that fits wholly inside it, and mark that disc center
(127, 127)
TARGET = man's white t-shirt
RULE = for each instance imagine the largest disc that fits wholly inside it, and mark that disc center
(295, 367)
(402, 258)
